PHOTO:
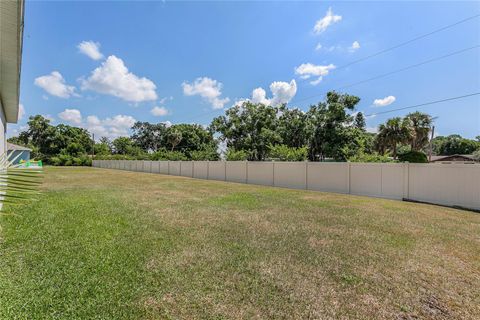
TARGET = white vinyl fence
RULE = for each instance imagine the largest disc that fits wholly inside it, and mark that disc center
(446, 184)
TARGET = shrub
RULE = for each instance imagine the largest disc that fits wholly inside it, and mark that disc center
(476, 155)
(86, 161)
(366, 157)
(68, 160)
(114, 157)
(76, 161)
(197, 155)
(168, 155)
(285, 153)
(234, 155)
(413, 157)
(55, 161)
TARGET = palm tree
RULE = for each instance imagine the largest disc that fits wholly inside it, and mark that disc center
(420, 124)
(393, 132)
(174, 138)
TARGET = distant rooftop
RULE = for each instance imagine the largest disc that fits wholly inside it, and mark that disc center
(11, 146)
(453, 157)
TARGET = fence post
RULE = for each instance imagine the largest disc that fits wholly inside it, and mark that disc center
(225, 172)
(208, 169)
(406, 181)
(246, 171)
(273, 173)
(168, 167)
(193, 168)
(306, 174)
(349, 177)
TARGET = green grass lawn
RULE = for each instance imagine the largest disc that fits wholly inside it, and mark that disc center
(105, 244)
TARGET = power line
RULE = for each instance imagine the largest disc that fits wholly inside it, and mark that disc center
(401, 44)
(408, 42)
(391, 72)
(424, 104)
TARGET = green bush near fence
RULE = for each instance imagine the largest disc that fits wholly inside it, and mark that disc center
(286, 153)
(413, 157)
(68, 160)
(375, 157)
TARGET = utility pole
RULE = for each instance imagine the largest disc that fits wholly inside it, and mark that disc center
(93, 145)
(430, 145)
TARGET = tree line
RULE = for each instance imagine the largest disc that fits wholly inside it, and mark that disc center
(330, 130)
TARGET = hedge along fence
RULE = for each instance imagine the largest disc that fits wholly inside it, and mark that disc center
(445, 184)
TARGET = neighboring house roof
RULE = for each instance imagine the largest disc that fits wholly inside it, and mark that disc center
(11, 38)
(11, 146)
(453, 157)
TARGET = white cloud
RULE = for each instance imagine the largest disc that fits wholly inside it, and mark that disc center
(21, 111)
(48, 117)
(354, 47)
(159, 111)
(319, 47)
(260, 96)
(93, 121)
(384, 102)
(167, 123)
(372, 129)
(71, 115)
(329, 19)
(113, 78)
(112, 128)
(307, 70)
(208, 89)
(55, 84)
(120, 121)
(282, 92)
(90, 49)
(163, 100)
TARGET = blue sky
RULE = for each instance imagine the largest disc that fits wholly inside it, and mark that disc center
(103, 65)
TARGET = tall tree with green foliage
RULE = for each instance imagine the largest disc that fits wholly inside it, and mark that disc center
(454, 144)
(421, 125)
(249, 127)
(330, 125)
(192, 140)
(48, 141)
(393, 132)
(174, 137)
(360, 122)
(292, 127)
(149, 136)
(122, 145)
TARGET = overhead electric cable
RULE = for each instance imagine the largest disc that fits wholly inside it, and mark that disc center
(424, 104)
(392, 72)
(408, 42)
(425, 35)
